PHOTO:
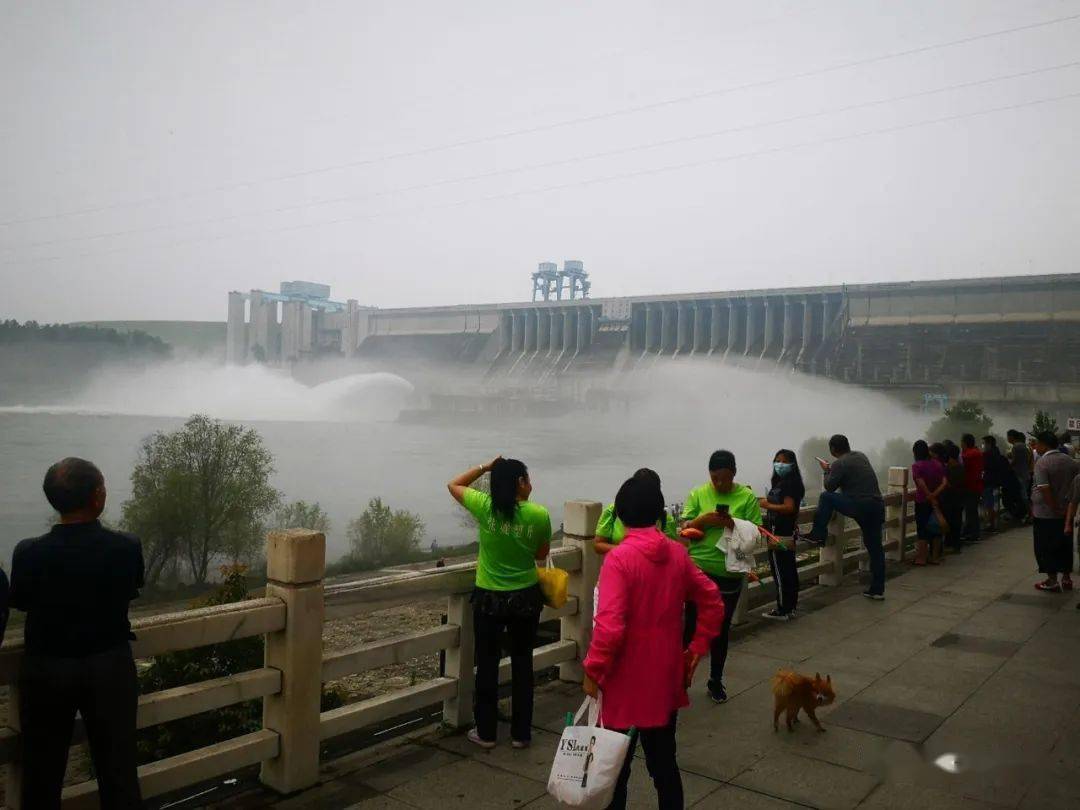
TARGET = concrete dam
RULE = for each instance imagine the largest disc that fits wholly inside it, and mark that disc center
(1010, 339)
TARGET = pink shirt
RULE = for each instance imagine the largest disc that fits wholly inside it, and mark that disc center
(932, 473)
(636, 654)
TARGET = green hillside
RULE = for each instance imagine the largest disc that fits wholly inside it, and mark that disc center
(200, 337)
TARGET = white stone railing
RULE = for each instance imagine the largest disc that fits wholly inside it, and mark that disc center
(291, 617)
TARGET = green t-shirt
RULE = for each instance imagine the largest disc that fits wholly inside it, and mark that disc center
(741, 502)
(611, 530)
(507, 560)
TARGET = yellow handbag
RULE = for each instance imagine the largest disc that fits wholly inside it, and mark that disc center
(553, 584)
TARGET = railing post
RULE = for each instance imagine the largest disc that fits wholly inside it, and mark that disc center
(833, 552)
(295, 564)
(460, 660)
(898, 484)
(579, 531)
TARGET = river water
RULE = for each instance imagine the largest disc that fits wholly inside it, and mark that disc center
(343, 456)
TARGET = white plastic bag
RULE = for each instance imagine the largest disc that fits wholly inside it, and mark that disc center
(738, 545)
(588, 762)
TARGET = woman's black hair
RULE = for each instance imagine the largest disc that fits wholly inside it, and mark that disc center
(794, 475)
(505, 474)
(640, 503)
(921, 450)
(939, 451)
(954, 451)
(645, 474)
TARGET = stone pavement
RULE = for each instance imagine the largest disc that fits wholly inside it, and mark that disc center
(964, 659)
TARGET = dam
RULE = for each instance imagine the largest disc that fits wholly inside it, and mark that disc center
(1007, 339)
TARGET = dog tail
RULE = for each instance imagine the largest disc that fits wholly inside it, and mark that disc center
(783, 682)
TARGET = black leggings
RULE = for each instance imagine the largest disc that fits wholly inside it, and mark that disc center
(730, 590)
(786, 574)
(659, 747)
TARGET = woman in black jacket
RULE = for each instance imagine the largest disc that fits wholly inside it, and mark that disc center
(781, 505)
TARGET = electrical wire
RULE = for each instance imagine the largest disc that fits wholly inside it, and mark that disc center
(545, 165)
(575, 184)
(587, 119)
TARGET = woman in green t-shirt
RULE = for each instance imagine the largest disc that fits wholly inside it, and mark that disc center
(610, 531)
(514, 533)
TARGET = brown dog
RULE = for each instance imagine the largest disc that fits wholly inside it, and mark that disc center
(793, 692)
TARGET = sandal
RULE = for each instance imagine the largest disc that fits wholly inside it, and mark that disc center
(1047, 585)
(1067, 584)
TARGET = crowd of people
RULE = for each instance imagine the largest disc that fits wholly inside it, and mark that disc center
(75, 584)
(644, 652)
(965, 491)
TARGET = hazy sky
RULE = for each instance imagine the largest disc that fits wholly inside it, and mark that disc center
(154, 155)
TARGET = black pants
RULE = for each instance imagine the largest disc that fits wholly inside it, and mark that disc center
(972, 529)
(104, 689)
(952, 506)
(730, 589)
(522, 637)
(869, 514)
(786, 575)
(659, 747)
(1053, 548)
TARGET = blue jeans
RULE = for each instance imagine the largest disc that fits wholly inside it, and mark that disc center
(870, 515)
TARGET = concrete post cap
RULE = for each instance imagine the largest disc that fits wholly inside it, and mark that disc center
(295, 556)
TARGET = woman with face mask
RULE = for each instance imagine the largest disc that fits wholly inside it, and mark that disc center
(781, 505)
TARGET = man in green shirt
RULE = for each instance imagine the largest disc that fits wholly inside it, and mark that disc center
(701, 512)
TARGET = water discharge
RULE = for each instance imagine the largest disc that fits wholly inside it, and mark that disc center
(253, 392)
(337, 442)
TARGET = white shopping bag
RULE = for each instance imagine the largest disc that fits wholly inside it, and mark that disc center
(588, 762)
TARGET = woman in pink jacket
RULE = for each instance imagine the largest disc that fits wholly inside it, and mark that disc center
(636, 657)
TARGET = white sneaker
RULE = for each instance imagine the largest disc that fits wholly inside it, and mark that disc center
(474, 737)
(776, 616)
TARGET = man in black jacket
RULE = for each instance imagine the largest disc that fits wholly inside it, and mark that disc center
(74, 584)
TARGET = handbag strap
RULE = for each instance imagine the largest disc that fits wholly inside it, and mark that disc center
(593, 706)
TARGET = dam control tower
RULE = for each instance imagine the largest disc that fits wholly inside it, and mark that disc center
(299, 321)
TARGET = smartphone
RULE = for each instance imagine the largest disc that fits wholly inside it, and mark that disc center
(722, 508)
(821, 461)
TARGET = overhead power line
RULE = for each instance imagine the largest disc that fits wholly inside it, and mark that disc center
(574, 184)
(546, 164)
(491, 138)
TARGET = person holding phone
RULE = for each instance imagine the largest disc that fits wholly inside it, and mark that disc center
(851, 488)
(711, 509)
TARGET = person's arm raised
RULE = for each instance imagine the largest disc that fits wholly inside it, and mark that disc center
(459, 483)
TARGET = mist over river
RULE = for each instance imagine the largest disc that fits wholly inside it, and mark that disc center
(338, 443)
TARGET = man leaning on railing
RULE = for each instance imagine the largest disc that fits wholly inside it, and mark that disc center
(74, 584)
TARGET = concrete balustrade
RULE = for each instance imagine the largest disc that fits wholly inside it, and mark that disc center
(291, 617)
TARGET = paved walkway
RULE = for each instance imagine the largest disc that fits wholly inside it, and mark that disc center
(966, 659)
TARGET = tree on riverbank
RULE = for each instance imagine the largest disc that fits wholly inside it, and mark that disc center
(134, 341)
(966, 416)
(198, 494)
(301, 515)
(383, 536)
